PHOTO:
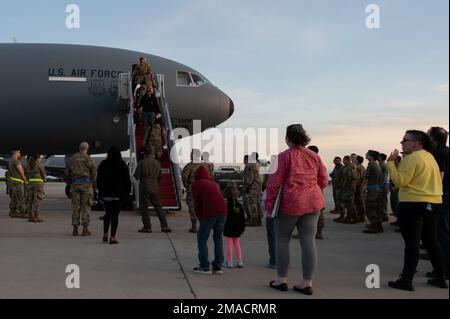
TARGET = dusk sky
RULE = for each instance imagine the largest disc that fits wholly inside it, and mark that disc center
(282, 62)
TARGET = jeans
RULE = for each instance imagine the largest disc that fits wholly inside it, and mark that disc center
(270, 229)
(416, 223)
(443, 229)
(216, 224)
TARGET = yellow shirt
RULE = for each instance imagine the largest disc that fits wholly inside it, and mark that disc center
(418, 178)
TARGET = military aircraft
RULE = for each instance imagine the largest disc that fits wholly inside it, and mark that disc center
(54, 95)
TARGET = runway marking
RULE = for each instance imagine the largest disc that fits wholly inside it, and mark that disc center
(181, 267)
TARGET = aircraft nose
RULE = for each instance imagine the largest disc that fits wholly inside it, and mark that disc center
(231, 107)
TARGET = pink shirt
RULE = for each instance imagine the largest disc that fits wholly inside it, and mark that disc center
(303, 176)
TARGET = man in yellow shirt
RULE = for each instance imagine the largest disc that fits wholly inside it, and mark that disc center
(420, 194)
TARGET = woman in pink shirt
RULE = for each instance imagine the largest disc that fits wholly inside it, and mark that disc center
(302, 176)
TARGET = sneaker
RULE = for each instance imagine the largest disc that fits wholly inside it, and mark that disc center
(229, 264)
(217, 271)
(201, 271)
(240, 264)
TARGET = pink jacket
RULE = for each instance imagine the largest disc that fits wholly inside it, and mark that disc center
(303, 176)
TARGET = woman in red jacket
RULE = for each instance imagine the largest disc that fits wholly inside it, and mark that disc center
(211, 211)
(301, 175)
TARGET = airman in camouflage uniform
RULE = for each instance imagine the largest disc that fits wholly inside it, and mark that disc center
(17, 180)
(374, 179)
(36, 178)
(244, 195)
(188, 177)
(336, 176)
(207, 163)
(349, 179)
(252, 185)
(384, 187)
(26, 188)
(81, 173)
(156, 138)
(143, 74)
(360, 189)
(7, 182)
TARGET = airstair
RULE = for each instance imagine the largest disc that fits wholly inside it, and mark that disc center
(170, 184)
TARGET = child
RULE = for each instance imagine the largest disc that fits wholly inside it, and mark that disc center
(234, 225)
(211, 211)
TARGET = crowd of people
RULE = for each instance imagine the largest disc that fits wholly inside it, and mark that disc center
(289, 198)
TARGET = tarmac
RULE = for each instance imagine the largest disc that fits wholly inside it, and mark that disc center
(34, 257)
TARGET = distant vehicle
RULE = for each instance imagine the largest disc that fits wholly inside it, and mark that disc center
(227, 174)
(228, 170)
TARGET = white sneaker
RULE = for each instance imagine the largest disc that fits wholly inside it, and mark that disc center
(240, 264)
(202, 271)
(229, 264)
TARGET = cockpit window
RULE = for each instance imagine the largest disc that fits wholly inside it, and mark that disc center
(190, 79)
(184, 79)
(198, 80)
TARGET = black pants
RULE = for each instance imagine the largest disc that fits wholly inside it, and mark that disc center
(112, 210)
(416, 223)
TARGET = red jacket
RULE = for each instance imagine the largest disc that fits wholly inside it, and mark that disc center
(303, 176)
(207, 196)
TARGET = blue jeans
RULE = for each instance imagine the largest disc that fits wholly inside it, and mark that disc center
(270, 229)
(443, 229)
(216, 224)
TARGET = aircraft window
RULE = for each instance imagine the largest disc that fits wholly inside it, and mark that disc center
(184, 79)
(198, 80)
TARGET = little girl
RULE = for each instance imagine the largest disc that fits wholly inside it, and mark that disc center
(234, 226)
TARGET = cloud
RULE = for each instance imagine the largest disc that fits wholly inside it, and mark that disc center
(442, 88)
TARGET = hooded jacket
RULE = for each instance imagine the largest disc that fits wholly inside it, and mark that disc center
(207, 196)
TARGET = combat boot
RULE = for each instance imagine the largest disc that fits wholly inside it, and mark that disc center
(340, 219)
(86, 232)
(372, 229)
(13, 214)
(75, 231)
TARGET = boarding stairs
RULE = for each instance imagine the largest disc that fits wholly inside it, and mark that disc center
(170, 184)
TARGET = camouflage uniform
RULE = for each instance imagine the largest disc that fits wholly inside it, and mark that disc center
(26, 189)
(81, 174)
(143, 74)
(347, 199)
(384, 190)
(252, 185)
(374, 179)
(360, 191)
(156, 138)
(36, 178)
(210, 167)
(336, 176)
(188, 177)
(16, 190)
(7, 182)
